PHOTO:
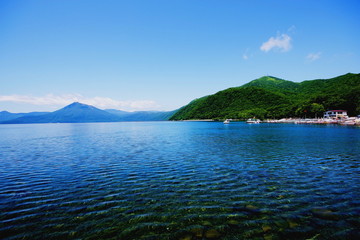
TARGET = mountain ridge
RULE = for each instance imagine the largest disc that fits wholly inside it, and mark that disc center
(6, 116)
(82, 113)
(72, 113)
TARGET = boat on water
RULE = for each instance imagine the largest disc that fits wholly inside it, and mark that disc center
(227, 121)
(349, 121)
(253, 120)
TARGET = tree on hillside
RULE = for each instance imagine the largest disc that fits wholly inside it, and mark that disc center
(316, 110)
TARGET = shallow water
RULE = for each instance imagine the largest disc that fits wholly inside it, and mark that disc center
(179, 180)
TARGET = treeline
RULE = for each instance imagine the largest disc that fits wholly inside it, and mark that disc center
(270, 97)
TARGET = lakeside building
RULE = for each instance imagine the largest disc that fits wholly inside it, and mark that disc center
(336, 114)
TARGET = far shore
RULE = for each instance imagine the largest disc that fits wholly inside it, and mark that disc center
(344, 121)
(199, 120)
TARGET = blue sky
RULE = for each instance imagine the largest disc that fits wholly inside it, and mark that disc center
(160, 54)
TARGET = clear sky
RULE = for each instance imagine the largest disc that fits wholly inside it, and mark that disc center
(161, 54)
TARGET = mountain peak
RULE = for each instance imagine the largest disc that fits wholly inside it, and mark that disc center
(272, 83)
(78, 105)
(270, 79)
(75, 104)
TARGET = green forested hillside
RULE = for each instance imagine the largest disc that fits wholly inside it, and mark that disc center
(270, 97)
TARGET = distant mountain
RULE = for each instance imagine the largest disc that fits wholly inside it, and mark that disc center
(142, 115)
(73, 113)
(82, 113)
(6, 116)
(271, 97)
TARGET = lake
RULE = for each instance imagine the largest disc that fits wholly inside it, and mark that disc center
(179, 180)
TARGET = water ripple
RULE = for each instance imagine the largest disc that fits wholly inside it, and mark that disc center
(179, 181)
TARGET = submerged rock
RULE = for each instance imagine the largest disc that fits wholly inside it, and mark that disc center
(250, 207)
(197, 231)
(325, 213)
(292, 224)
(186, 237)
(266, 228)
(268, 236)
(233, 222)
(212, 233)
(206, 223)
(314, 237)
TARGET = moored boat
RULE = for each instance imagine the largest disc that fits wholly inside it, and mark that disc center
(253, 120)
(349, 121)
(227, 121)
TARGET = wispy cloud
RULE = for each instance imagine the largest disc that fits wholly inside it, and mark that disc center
(313, 56)
(281, 42)
(247, 54)
(292, 29)
(100, 102)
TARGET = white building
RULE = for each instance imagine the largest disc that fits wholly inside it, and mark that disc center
(336, 114)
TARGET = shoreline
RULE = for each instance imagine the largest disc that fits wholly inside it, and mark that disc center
(345, 121)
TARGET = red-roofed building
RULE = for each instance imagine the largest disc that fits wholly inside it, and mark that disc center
(336, 114)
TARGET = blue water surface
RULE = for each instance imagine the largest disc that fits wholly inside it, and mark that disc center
(179, 180)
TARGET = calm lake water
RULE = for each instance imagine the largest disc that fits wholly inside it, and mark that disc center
(179, 180)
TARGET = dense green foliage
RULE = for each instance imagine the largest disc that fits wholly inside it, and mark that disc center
(270, 97)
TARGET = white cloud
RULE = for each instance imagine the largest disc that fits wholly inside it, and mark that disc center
(49, 99)
(245, 56)
(282, 42)
(100, 102)
(313, 56)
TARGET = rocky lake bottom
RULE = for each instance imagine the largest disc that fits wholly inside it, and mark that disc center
(179, 180)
